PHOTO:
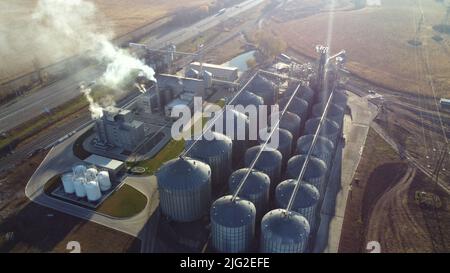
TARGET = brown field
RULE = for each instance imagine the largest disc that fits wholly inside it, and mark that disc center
(376, 40)
(116, 16)
(381, 206)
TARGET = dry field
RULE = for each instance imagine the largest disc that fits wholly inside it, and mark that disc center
(381, 206)
(117, 17)
(376, 39)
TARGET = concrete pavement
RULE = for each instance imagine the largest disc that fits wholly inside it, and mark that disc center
(345, 164)
(61, 159)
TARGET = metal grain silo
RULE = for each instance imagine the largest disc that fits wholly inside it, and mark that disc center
(339, 97)
(330, 129)
(297, 106)
(264, 88)
(284, 143)
(305, 201)
(269, 162)
(67, 181)
(103, 180)
(93, 192)
(246, 98)
(304, 92)
(232, 224)
(315, 171)
(323, 149)
(292, 123)
(335, 112)
(78, 184)
(239, 134)
(284, 232)
(256, 189)
(217, 153)
(184, 186)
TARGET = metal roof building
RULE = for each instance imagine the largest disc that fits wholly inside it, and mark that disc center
(111, 165)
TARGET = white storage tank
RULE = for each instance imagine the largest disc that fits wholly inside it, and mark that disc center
(305, 201)
(93, 192)
(232, 225)
(283, 232)
(67, 181)
(103, 180)
(91, 174)
(255, 189)
(184, 186)
(217, 153)
(323, 149)
(330, 129)
(78, 184)
(315, 171)
(269, 162)
(79, 171)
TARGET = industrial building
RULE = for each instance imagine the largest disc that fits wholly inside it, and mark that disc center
(114, 167)
(270, 178)
(117, 128)
(219, 72)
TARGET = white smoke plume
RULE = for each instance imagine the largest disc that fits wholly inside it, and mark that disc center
(95, 108)
(61, 28)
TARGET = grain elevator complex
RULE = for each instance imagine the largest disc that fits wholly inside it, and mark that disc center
(223, 193)
(260, 198)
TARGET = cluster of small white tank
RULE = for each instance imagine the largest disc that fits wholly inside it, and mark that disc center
(86, 182)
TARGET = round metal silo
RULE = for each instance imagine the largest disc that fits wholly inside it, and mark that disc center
(284, 232)
(238, 133)
(297, 106)
(217, 153)
(323, 149)
(330, 129)
(335, 112)
(256, 189)
(292, 123)
(232, 224)
(304, 92)
(284, 143)
(315, 171)
(246, 98)
(305, 201)
(264, 88)
(269, 162)
(339, 97)
(184, 186)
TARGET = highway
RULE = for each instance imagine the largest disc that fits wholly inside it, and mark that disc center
(24, 108)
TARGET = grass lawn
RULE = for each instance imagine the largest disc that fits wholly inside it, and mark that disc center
(125, 202)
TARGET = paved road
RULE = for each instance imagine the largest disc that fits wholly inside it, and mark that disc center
(62, 91)
(346, 162)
